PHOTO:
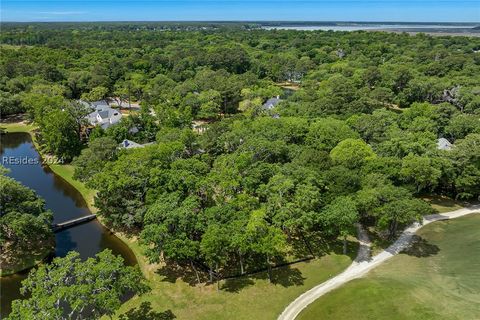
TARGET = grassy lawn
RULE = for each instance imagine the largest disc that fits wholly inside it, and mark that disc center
(444, 204)
(16, 127)
(249, 297)
(438, 278)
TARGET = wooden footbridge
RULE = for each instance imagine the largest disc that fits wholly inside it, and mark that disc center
(72, 223)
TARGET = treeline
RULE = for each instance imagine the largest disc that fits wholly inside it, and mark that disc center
(207, 74)
(162, 68)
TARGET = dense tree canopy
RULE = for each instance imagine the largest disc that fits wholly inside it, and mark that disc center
(70, 288)
(355, 141)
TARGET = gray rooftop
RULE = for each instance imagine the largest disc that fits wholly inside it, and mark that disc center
(272, 102)
(103, 114)
(99, 103)
(444, 144)
(129, 144)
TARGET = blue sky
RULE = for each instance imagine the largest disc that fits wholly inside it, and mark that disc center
(298, 10)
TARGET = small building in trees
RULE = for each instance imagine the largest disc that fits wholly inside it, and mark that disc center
(129, 144)
(200, 126)
(102, 114)
(444, 144)
(271, 103)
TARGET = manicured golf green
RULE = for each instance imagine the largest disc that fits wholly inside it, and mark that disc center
(439, 278)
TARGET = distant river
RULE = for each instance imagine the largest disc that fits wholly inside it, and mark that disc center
(65, 202)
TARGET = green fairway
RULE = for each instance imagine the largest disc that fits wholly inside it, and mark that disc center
(438, 278)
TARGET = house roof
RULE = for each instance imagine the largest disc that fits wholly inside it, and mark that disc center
(84, 103)
(104, 114)
(99, 103)
(272, 102)
(107, 115)
(444, 144)
(129, 144)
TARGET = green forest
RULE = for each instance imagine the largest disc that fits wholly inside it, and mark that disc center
(224, 183)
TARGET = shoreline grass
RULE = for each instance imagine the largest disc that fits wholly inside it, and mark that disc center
(17, 127)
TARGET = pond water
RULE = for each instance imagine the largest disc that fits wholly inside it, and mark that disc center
(64, 201)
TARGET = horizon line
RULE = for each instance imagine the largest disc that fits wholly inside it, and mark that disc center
(245, 21)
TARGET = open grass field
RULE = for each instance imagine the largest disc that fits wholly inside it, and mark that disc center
(250, 297)
(438, 278)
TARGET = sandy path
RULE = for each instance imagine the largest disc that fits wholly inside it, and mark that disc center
(363, 264)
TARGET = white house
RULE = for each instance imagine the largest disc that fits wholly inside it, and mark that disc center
(103, 115)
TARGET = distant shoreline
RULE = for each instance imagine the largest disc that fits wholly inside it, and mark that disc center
(431, 28)
(434, 28)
